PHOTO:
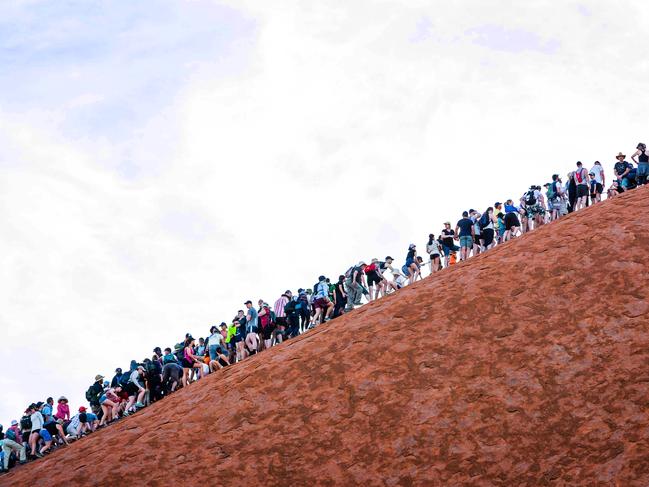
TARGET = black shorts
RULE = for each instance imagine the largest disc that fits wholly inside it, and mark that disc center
(186, 363)
(582, 190)
(434, 256)
(373, 277)
(488, 236)
(267, 332)
(598, 189)
(511, 221)
(281, 321)
(132, 389)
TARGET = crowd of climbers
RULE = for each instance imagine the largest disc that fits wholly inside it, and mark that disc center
(49, 425)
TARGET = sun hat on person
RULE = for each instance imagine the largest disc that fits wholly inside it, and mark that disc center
(619, 154)
(14, 422)
(98, 377)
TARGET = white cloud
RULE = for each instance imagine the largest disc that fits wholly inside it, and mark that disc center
(152, 183)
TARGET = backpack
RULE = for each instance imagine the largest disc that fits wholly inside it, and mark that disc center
(11, 434)
(289, 308)
(484, 221)
(91, 394)
(26, 423)
(179, 351)
(265, 319)
(530, 198)
(124, 380)
(579, 176)
(349, 272)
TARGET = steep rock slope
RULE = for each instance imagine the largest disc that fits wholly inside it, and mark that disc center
(528, 365)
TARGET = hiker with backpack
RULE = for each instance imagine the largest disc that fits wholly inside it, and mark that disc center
(266, 323)
(135, 389)
(477, 234)
(322, 303)
(281, 321)
(340, 297)
(487, 224)
(94, 392)
(512, 223)
(581, 178)
(643, 163)
(600, 180)
(292, 315)
(374, 279)
(356, 284)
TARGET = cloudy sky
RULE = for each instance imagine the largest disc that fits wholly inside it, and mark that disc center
(163, 161)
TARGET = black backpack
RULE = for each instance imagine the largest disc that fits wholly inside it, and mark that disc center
(124, 379)
(484, 221)
(530, 198)
(26, 423)
(289, 308)
(91, 394)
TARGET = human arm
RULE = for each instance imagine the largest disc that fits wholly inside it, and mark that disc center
(636, 153)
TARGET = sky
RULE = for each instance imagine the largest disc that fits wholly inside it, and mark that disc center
(162, 162)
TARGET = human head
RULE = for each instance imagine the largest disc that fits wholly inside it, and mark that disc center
(167, 351)
(62, 399)
(389, 259)
(321, 278)
(497, 204)
(598, 163)
(641, 146)
(412, 246)
(248, 304)
(447, 224)
(157, 351)
(82, 409)
(341, 278)
(213, 328)
(49, 400)
(223, 326)
(201, 340)
(620, 156)
(555, 177)
(99, 378)
(465, 214)
(578, 163)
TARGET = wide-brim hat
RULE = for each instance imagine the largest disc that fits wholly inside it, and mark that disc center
(619, 154)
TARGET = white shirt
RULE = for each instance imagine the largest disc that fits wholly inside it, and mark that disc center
(37, 421)
(599, 171)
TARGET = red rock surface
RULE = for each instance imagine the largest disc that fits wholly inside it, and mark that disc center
(525, 366)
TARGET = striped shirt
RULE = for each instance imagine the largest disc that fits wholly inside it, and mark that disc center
(278, 307)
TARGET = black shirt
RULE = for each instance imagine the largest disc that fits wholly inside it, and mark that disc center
(447, 241)
(465, 225)
(620, 167)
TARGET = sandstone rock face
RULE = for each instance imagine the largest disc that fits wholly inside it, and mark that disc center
(528, 365)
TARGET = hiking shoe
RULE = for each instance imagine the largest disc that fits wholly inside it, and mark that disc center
(39, 454)
(139, 405)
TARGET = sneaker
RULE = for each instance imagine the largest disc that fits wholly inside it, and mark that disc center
(139, 405)
(39, 454)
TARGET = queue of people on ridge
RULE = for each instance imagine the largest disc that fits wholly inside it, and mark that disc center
(45, 425)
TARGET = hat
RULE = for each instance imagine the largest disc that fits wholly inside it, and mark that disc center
(388, 257)
(39, 404)
(248, 302)
(321, 278)
(411, 246)
(98, 377)
(497, 203)
(288, 291)
(62, 398)
(619, 154)
(447, 223)
(362, 262)
(546, 185)
(118, 370)
(14, 422)
(395, 272)
(82, 409)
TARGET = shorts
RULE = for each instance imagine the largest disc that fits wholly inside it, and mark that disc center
(267, 332)
(476, 240)
(488, 236)
(511, 221)
(45, 435)
(321, 303)
(534, 210)
(555, 204)
(184, 362)
(373, 277)
(599, 189)
(582, 190)
(132, 389)
(281, 321)
(236, 339)
(434, 256)
(466, 241)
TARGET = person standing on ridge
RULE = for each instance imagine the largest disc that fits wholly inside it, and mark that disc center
(448, 242)
(464, 228)
(581, 178)
(622, 170)
(643, 163)
(600, 180)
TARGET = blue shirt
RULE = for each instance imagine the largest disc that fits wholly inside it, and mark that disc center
(510, 209)
(465, 225)
(252, 312)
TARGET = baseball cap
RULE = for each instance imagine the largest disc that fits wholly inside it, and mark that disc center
(118, 370)
(82, 409)
(248, 302)
(14, 422)
(321, 278)
(388, 257)
(497, 203)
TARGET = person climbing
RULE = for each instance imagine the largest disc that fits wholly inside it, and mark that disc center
(512, 224)
(600, 180)
(322, 302)
(581, 178)
(434, 252)
(355, 282)
(448, 242)
(411, 268)
(487, 224)
(643, 163)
